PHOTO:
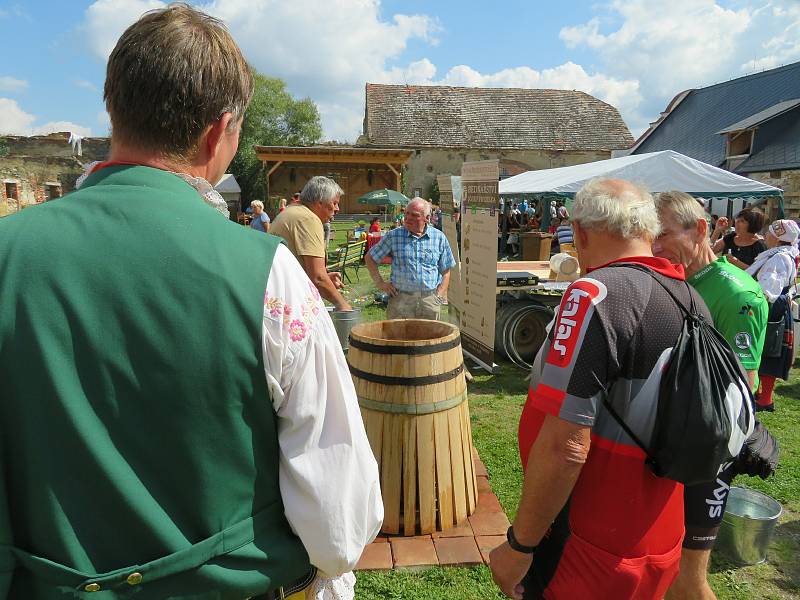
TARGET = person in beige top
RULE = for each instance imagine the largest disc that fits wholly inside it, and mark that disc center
(300, 225)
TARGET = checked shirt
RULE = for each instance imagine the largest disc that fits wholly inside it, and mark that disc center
(417, 261)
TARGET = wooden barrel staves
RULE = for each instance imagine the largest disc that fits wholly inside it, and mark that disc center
(409, 377)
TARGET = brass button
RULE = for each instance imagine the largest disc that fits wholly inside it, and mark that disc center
(92, 587)
(134, 578)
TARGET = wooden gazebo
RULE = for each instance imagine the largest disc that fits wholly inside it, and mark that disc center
(356, 170)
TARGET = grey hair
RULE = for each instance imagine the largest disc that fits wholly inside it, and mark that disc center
(685, 208)
(620, 207)
(320, 189)
(423, 202)
(257, 203)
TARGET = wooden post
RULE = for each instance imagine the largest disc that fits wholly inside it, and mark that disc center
(396, 177)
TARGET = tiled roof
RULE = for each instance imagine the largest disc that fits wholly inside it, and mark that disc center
(490, 118)
(691, 127)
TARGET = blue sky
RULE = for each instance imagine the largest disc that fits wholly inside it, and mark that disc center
(634, 54)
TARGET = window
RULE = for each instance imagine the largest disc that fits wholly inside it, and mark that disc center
(740, 142)
(12, 190)
(775, 174)
(52, 191)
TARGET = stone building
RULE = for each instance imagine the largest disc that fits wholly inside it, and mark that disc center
(749, 125)
(42, 167)
(525, 128)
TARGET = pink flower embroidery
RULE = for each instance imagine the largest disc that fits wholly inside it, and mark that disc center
(297, 330)
(274, 305)
(287, 310)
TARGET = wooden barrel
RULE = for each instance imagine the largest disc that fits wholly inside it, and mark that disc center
(409, 377)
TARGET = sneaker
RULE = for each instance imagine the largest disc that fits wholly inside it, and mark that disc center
(767, 408)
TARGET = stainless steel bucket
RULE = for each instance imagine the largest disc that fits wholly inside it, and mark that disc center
(747, 526)
(343, 321)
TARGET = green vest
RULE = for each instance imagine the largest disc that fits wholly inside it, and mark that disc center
(138, 444)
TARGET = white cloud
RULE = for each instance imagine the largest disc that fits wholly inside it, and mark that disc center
(682, 44)
(15, 121)
(85, 84)
(55, 126)
(105, 20)
(645, 52)
(12, 84)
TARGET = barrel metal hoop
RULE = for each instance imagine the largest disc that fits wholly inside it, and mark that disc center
(413, 409)
(407, 350)
(409, 381)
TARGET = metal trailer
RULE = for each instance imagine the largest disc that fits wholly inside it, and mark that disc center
(522, 317)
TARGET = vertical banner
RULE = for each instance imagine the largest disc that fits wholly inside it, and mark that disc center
(476, 308)
(450, 227)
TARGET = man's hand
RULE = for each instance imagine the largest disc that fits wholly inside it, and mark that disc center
(387, 287)
(509, 568)
(336, 280)
(442, 295)
(343, 306)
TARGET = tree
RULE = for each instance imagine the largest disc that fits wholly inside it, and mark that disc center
(273, 118)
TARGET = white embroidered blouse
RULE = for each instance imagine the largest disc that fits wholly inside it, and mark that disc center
(328, 474)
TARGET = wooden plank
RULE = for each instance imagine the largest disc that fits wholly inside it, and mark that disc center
(391, 472)
(273, 168)
(460, 503)
(427, 474)
(373, 423)
(466, 454)
(409, 475)
(444, 480)
(330, 158)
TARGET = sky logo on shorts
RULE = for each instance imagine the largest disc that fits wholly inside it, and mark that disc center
(573, 316)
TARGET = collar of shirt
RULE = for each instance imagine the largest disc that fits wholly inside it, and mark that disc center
(414, 235)
(659, 265)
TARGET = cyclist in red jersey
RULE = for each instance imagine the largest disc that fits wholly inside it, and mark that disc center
(593, 521)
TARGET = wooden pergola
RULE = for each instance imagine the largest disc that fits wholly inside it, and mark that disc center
(323, 159)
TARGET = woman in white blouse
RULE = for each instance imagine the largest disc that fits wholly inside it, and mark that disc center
(776, 272)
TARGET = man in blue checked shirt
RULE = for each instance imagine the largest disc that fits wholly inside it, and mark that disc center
(421, 263)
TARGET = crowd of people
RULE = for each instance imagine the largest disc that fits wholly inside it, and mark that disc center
(189, 430)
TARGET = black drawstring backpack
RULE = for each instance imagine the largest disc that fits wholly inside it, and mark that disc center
(705, 406)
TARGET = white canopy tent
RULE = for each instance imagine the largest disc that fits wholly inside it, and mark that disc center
(656, 171)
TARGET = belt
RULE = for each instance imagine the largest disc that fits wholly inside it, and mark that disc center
(287, 591)
(419, 294)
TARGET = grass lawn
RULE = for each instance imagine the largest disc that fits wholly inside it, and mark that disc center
(495, 405)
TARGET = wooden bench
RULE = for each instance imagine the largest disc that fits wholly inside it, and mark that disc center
(348, 255)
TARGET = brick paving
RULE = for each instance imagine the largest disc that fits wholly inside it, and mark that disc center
(468, 543)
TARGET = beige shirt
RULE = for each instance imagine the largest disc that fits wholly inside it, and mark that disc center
(302, 230)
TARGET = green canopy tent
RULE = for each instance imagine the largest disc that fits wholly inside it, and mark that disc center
(387, 198)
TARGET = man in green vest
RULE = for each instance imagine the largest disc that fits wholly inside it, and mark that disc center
(176, 416)
(739, 310)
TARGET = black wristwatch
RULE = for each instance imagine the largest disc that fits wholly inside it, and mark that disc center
(515, 545)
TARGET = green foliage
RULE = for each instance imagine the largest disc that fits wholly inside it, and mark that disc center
(273, 118)
(4, 149)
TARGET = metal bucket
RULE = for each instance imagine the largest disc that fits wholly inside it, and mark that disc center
(747, 526)
(343, 321)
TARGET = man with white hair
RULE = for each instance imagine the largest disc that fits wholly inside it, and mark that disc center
(600, 524)
(302, 228)
(421, 263)
(740, 310)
